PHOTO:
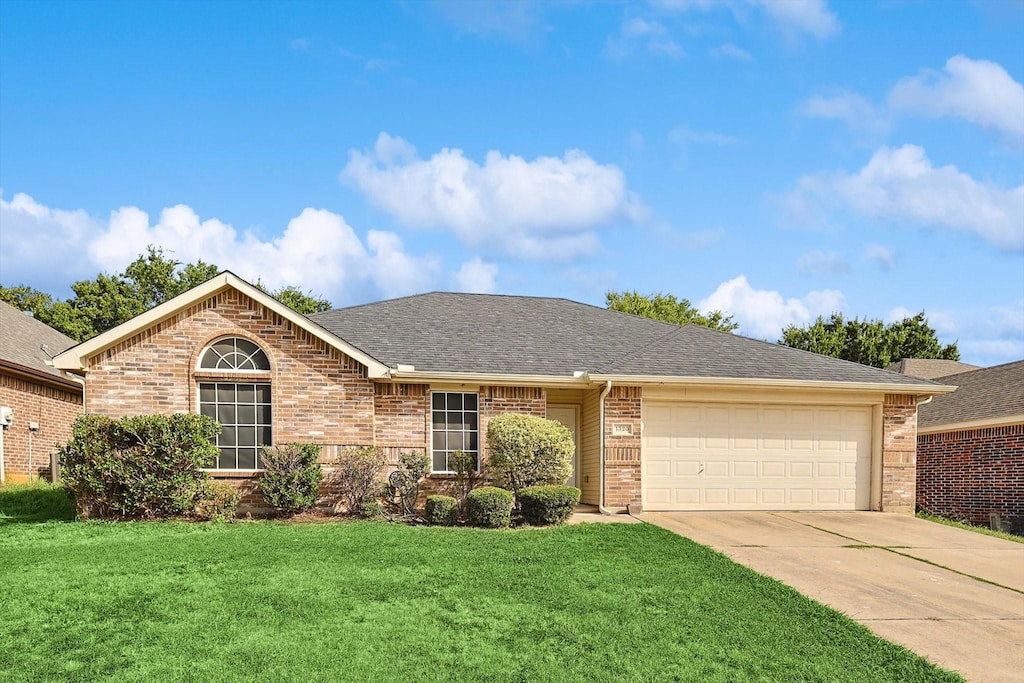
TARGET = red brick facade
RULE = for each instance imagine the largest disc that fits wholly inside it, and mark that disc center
(899, 449)
(622, 439)
(972, 473)
(52, 406)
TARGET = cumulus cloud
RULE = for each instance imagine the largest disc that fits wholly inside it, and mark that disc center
(549, 207)
(476, 276)
(902, 185)
(318, 251)
(792, 18)
(977, 90)
(880, 255)
(848, 107)
(818, 262)
(764, 313)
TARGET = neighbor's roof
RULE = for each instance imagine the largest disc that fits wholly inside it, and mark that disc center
(20, 339)
(482, 333)
(983, 394)
(930, 368)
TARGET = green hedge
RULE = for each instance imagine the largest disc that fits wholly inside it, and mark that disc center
(291, 476)
(442, 510)
(526, 450)
(546, 505)
(489, 507)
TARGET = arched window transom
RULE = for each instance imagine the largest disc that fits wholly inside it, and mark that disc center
(234, 353)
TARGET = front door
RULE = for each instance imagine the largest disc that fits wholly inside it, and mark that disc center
(569, 416)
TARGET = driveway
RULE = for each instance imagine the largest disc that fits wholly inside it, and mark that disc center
(953, 596)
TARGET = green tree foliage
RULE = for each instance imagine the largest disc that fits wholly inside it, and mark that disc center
(667, 308)
(869, 342)
(526, 450)
(109, 300)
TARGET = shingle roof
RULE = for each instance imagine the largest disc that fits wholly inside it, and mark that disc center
(930, 368)
(20, 337)
(482, 333)
(982, 394)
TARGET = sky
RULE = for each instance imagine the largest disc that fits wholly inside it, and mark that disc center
(774, 160)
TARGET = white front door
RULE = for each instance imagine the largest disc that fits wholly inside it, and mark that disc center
(569, 416)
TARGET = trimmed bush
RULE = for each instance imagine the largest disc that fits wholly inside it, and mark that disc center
(489, 507)
(546, 505)
(291, 476)
(356, 477)
(220, 502)
(526, 450)
(442, 510)
(147, 466)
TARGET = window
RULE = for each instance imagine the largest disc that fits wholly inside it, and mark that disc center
(455, 427)
(243, 409)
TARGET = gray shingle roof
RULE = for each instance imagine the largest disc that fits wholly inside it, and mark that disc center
(445, 332)
(930, 368)
(982, 394)
(21, 335)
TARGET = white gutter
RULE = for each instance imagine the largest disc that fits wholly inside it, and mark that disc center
(3, 472)
(600, 498)
(496, 379)
(919, 389)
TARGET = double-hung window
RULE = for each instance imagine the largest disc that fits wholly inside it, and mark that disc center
(455, 426)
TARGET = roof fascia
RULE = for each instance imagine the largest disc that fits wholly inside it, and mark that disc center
(74, 358)
(1001, 421)
(916, 389)
(489, 378)
(41, 376)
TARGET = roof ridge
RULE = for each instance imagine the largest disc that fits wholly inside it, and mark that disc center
(639, 351)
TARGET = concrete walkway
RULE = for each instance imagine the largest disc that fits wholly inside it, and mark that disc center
(955, 597)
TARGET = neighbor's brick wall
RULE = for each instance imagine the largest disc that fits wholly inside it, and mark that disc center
(899, 448)
(622, 406)
(55, 409)
(971, 473)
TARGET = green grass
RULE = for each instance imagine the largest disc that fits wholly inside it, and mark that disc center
(36, 502)
(970, 527)
(360, 601)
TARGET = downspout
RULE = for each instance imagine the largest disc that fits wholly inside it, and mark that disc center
(926, 401)
(3, 473)
(604, 394)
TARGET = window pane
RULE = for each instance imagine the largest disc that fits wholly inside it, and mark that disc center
(471, 421)
(263, 415)
(439, 441)
(456, 422)
(207, 392)
(226, 459)
(260, 360)
(246, 415)
(246, 458)
(227, 437)
(439, 418)
(469, 401)
(247, 393)
(226, 415)
(440, 463)
(246, 436)
(263, 393)
(245, 347)
(454, 401)
(437, 400)
(455, 441)
(471, 441)
(209, 410)
(263, 436)
(225, 393)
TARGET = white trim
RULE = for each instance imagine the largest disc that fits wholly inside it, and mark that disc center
(485, 379)
(74, 358)
(917, 389)
(983, 423)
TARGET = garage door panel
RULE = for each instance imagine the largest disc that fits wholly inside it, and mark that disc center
(749, 456)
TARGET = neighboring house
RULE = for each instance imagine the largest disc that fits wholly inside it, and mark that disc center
(38, 395)
(675, 418)
(930, 368)
(970, 447)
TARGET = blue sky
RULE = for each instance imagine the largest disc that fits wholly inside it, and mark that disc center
(778, 160)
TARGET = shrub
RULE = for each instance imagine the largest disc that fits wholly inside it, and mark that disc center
(219, 502)
(526, 450)
(147, 466)
(355, 477)
(489, 507)
(403, 489)
(291, 476)
(466, 475)
(442, 510)
(545, 505)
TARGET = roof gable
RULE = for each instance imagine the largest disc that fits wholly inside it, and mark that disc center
(23, 338)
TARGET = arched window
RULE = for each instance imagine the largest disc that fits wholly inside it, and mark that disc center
(242, 407)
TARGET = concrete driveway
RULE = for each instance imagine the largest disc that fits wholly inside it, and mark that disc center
(953, 596)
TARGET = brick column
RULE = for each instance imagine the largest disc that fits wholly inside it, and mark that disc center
(622, 447)
(899, 453)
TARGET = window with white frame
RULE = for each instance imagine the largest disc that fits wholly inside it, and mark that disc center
(242, 407)
(455, 426)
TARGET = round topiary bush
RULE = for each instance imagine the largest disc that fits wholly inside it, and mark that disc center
(546, 505)
(489, 507)
(442, 510)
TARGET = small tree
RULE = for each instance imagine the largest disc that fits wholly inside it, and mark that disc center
(291, 476)
(466, 475)
(526, 450)
(356, 477)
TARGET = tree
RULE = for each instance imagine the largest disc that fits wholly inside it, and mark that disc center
(667, 308)
(109, 300)
(869, 342)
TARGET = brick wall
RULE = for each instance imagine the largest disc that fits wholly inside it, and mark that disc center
(899, 448)
(55, 409)
(971, 473)
(622, 446)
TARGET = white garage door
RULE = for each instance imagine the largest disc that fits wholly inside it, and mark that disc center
(755, 457)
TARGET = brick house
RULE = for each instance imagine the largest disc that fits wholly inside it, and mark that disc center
(970, 447)
(44, 401)
(667, 417)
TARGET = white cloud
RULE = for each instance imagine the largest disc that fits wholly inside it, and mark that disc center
(648, 34)
(318, 251)
(902, 185)
(476, 276)
(764, 313)
(880, 255)
(818, 262)
(545, 208)
(848, 107)
(978, 90)
(731, 51)
(791, 17)
(988, 336)
(517, 19)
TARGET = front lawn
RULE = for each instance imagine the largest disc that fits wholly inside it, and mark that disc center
(373, 601)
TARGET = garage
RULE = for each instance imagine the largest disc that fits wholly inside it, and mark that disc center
(723, 456)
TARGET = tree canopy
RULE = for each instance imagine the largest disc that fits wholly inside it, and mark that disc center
(870, 342)
(109, 300)
(667, 308)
